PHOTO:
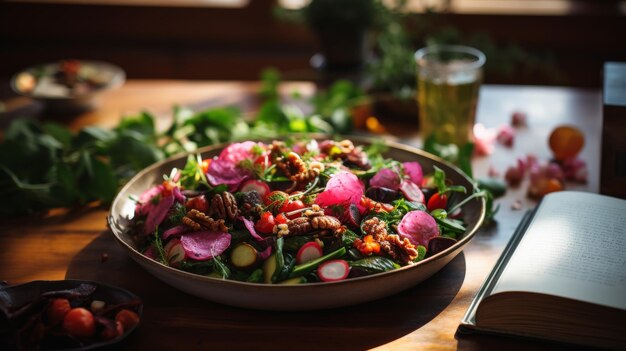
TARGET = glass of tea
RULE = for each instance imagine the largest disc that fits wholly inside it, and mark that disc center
(449, 78)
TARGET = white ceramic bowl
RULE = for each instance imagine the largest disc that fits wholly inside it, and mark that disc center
(295, 297)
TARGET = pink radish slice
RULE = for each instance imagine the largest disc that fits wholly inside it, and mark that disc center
(419, 227)
(333, 270)
(205, 245)
(255, 185)
(177, 230)
(414, 171)
(309, 252)
(386, 178)
(411, 191)
(174, 252)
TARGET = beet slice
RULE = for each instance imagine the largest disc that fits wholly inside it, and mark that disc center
(205, 245)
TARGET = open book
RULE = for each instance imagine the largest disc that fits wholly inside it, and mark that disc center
(562, 276)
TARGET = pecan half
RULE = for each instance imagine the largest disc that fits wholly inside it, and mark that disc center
(299, 226)
(223, 206)
(197, 220)
(325, 223)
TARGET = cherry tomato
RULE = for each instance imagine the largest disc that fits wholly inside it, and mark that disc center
(266, 223)
(281, 219)
(127, 318)
(263, 161)
(79, 322)
(437, 200)
(199, 203)
(57, 310)
(292, 206)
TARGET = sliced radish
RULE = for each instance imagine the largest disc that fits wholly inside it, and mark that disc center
(411, 191)
(255, 185)
(174, 231)
(309, 252)
(333, 270)
(175, 252)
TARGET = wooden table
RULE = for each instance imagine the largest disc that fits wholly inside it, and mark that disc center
(424, 317)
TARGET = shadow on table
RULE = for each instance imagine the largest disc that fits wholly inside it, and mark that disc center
(175, 320)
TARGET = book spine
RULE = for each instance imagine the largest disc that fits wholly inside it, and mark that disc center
(468, 323)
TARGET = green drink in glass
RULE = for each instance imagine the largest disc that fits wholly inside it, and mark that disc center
(449, 78)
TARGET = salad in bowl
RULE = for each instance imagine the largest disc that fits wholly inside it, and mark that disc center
(299, 224)
(299, 212)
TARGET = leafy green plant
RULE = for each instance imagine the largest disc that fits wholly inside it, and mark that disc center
(45, 165)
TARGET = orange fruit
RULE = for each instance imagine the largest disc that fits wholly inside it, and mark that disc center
(551, 186)
(566, 142)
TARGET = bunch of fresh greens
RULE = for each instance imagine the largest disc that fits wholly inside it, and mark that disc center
(45, 165)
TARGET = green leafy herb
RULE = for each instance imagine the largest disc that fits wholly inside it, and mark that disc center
(158, 246)
(192, 175)
(375, 264)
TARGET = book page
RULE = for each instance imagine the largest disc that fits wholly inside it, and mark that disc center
(575, 247)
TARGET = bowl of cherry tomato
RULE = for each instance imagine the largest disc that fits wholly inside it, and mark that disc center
(66, 314)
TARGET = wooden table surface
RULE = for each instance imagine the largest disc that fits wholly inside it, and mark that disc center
(425, 317)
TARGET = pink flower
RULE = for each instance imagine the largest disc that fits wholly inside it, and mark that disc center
(226, 169)
(342, 189)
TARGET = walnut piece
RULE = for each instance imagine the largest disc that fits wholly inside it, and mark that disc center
(400, 250)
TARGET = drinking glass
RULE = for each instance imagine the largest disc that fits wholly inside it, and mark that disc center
(449, 78)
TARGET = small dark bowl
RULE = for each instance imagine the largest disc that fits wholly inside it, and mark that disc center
(22, 294)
